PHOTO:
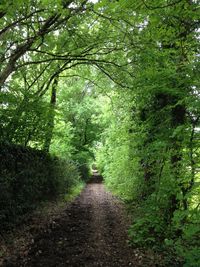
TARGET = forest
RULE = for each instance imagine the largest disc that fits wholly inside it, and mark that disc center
(110, 84)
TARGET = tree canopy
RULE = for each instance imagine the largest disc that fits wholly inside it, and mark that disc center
(115, 83)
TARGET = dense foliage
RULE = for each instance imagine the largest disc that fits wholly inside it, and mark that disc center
(116, 82)
(29, 176)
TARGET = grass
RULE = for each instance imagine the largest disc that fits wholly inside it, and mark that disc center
(74, 191)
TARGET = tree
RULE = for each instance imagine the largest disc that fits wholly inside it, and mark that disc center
(141, 60)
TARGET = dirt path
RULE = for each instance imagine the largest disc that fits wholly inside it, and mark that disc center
(91, 232)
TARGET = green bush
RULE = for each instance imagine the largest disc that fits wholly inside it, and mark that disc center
(188, 244)
(29, 176)
(179, 239)
(82, 160)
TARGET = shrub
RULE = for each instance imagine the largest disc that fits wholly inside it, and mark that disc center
(29, 176)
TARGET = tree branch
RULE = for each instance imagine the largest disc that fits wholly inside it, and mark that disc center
(160, 7)
(19, 20)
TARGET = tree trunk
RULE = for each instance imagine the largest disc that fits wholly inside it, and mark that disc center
(51, 116)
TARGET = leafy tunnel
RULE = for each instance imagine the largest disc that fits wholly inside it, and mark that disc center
(112, 85)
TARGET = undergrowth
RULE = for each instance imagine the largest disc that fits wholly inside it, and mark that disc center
(29, 177)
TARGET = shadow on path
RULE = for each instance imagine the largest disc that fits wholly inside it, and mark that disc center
(90, 232)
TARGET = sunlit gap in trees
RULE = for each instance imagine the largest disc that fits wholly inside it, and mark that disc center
(73, 5)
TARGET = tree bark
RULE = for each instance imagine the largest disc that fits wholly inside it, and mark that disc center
(51, 116)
